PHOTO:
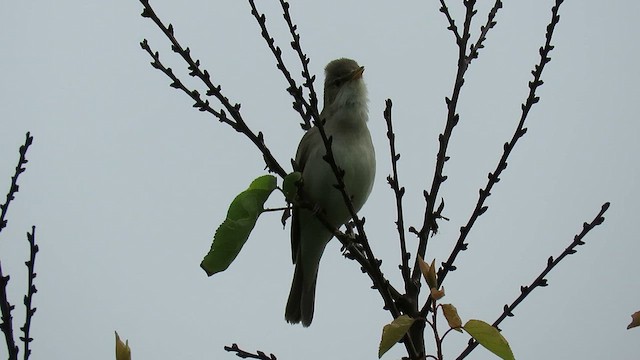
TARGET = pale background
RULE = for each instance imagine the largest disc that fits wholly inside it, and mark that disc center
(126, 183)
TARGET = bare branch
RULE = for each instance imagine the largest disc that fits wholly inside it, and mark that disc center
(247, 355)
(398, 191)
(236, 121)
(473, 53)
(31, 290)
(430, 217)
(13, 188)
(306, 110)
(540, 280)
(304, 60)
(494, 177)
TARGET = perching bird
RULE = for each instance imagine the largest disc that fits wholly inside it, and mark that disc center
(346, 114)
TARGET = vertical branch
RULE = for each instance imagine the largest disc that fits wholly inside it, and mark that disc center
(429, 224)
(31, 290)
(5, 307)
(394, 182)
(7, 319)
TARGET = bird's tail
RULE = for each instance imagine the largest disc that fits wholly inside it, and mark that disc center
(301, 298)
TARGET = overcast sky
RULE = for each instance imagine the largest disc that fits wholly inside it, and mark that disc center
(126, 182)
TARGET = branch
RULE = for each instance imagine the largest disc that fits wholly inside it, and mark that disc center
(494, 177)
(304, 60)
(236, 121)
(306, 110)
(13, 188)
(473, 53)
(30, 311)
(5, 307)
(247, 355)
(398, 191)
(540, 281)
(7, 319)
(429, 224)
(452, 24)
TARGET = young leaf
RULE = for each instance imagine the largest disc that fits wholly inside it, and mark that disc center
(451, 314)
(490, 338)
(393, 332)
(234, 231)
(123, 352)
(290, 186)
(428, 271)
(635, 320)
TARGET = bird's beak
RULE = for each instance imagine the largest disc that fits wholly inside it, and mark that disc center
(357, 74)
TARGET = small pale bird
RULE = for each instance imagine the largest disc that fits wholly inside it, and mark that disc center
(346, 114)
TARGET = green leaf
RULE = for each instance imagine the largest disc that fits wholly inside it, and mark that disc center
(393, 332)
(234, 231)
(290, 186)
(489, 337)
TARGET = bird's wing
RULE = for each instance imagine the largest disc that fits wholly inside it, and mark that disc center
(302, 154)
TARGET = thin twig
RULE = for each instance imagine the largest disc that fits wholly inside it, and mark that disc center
(236, 121)
(5, 307)
(473, 53)
(398, 191)
(494, 177)
(31, 290)
(304, 60)
(430, 216)
(7, 319)
(452, 24)
(247, 355)
(13, 188)
(540, 280)
(300, 104)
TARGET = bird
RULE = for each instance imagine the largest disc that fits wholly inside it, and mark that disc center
(344, 116)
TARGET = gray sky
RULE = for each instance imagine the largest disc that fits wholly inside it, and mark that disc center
(126, 183)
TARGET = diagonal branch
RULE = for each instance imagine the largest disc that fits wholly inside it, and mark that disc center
(247, 355)
(13, 188)
(494, 177)
(473, 51)
(236, 121)
(304, 60)
(540, 281)
(307, 111)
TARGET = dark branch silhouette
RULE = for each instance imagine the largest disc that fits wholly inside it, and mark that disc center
(5, 306)
(540, 280)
